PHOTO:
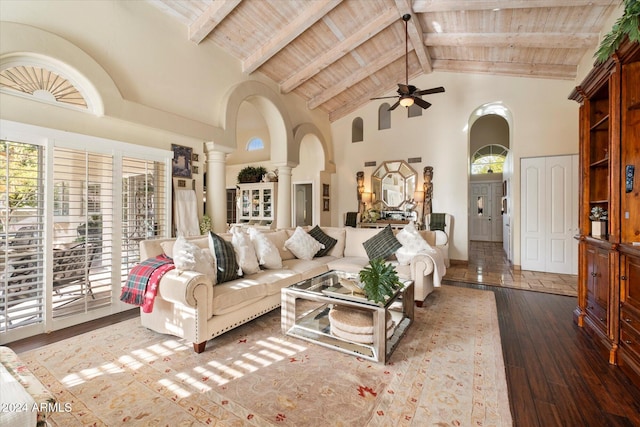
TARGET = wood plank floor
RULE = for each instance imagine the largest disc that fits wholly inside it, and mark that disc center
(555, 373)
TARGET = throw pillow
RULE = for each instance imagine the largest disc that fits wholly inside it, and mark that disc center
(302, 245)
(225, 256)
(189, 256)
(412, 244)
(328, 241)
(245, 253)
(382, 245)
(266, 251)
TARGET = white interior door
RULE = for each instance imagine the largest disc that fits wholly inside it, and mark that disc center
(549, 214)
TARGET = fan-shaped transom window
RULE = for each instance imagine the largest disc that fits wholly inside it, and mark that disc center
(42, 84)
(488, 159)
(254, 144)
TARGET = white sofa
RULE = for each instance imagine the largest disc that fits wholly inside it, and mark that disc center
(190, 306)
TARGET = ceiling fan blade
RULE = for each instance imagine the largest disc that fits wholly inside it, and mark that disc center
(383, 97)
(421, 102)
(430, 91)
(394, 106)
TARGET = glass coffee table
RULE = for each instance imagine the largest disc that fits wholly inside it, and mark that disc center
(310, 318)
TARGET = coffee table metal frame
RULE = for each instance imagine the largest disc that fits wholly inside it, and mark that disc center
(313, 324)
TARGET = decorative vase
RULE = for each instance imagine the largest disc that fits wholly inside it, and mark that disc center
(598, 228)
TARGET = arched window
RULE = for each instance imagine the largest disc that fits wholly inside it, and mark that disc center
(357, 130)
(254, 144)
(384, 117)
(42, 84)
(488, 159)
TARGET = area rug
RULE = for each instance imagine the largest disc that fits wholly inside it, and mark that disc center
(447, 370)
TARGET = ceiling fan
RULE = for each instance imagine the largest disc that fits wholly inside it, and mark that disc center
(409, 94)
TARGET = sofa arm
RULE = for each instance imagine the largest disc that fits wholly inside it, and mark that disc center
(422, 269)
(183, 287)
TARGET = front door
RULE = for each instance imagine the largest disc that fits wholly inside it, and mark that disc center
(485, 218)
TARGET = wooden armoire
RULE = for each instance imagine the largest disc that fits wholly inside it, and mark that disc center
(609, 264)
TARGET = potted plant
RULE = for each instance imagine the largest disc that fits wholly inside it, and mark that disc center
(205, 224)
(380, 280)
(250, 174)
(598, 219)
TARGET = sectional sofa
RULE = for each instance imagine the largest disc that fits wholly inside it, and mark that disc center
(189, 305)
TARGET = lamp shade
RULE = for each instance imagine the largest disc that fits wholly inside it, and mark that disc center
(406, 101)
(366, 197)
(418, 196)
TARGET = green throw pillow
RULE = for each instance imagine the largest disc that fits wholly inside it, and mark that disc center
(226, 264)
(328, 241)
(382, 245)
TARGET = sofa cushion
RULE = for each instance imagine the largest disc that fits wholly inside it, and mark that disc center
(266, 251)
(278, 238)
(168, 244)
(226, 264)
(245, 252)
(339, 234)
(323, 238)
(348, 264)
(307, 268)
(382, 244)
(354, 238)
(235, 294)
(302, 245)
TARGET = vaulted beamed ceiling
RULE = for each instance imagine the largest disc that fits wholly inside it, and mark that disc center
(337, 54)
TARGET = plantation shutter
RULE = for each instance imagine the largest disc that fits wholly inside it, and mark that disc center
(83, 231)
(21, 231)
(144, 214)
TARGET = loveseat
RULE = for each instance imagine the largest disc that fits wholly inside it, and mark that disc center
(190, 306)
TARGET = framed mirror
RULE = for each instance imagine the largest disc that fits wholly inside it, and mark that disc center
(393, 183)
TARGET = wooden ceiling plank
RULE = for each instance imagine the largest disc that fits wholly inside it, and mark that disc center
(209, 20)
(312, 14)
(392, 55)
(427, 6)
(414, 30)
(347, 45)
(520, 40)
(566, 72)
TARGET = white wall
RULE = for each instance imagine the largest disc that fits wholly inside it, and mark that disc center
(545, 122)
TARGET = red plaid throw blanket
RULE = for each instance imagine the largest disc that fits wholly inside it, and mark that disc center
(142, 284)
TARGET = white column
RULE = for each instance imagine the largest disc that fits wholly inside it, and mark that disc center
(216, 188)
(283, 213)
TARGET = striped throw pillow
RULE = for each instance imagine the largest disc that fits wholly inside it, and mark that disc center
(328, 241)
(226, 263)
(382, 245)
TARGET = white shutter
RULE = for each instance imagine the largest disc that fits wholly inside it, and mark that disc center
(21, 231)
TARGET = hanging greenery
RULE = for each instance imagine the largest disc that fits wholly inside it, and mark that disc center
(251, 174)
(627, 25)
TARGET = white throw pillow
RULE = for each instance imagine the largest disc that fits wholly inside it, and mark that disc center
(412, 244)
(188, 256)
(266, 251)
(245, 252)
(302, 245)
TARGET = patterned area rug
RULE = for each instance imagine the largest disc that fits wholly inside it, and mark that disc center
(447, 370)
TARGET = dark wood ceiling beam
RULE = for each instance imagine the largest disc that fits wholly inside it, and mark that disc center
(519, 40)
(369, 30)
(566, 72)
(392, 55)
(426, 6)
(414, 30)
(312, 12)
(209, 20)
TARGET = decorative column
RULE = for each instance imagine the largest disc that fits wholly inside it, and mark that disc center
(216, 188)
(283, 208)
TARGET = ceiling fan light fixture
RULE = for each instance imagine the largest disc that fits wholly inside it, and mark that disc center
(406, 101)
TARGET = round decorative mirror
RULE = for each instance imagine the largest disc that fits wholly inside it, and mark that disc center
(393, 183)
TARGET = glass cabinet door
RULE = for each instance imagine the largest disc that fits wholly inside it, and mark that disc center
(255, 203)
(266, 202)
(246, 203)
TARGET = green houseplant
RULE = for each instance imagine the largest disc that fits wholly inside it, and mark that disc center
(627, 25)
(380, 280)
(250, 174)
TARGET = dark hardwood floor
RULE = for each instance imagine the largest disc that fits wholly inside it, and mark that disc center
(556, 375)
